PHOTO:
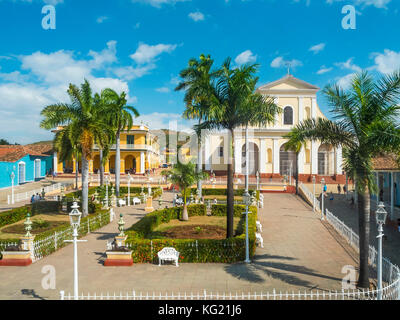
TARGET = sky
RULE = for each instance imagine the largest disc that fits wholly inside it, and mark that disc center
(140, 46)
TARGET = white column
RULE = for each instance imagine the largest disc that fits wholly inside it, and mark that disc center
(276, 100)
(263, 156)
(314, 108)
(238, 153)
(301, 109)
(301, 160)
(207, 152)
(55, 162)
(276, 156)
(339, 160)
(391, 196)
(142, 162)
(314, 157)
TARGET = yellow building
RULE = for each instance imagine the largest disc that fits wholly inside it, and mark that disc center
(140, 151)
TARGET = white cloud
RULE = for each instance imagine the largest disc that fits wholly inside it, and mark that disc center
(245, 57)
(280, 62)
(163, 90)
(323, 70)
(147, 53)
(317, 48)
(131, 73)
(159, 3)
(387, 62)
(349, 65)
(345, 82)
(102, 19)
(196, 16)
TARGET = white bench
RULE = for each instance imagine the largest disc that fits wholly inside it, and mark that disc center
(168, 254)
(121, 202)
(259, 226)
(136, 201)
(179, 201)
(259, 240)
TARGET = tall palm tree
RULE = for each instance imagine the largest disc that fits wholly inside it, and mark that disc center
(120, 118)
(366, 124)
(104, 149)
(197, 78)
(84, 127)
(228, 108)
(184, 176)
(66, 150)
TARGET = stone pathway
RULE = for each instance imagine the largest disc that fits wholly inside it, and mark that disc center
(299, 254)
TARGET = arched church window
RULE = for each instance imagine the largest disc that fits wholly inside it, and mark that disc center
(288, 115)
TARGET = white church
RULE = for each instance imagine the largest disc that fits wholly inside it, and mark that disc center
(268, 157)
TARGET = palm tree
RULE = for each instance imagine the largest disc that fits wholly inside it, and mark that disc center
(120, 118)
(65, 149)
(197, 78)
(229, 99)
(83, 125)
(104, 149)
(184, 176)
(366, 124)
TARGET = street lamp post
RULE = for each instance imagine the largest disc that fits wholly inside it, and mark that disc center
(381, 215)
(258, 180)
(12, 187)
(322, 198)
(106, 191)
(75, 220)
(313, 180)
(247, 202)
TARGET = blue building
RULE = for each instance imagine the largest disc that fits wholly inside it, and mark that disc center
(27, 163)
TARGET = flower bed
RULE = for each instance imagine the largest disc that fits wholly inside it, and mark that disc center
(198, 251)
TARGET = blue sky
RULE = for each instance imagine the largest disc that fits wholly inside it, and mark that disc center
(140, 46)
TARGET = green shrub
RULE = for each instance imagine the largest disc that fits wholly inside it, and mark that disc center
(45, 207)
(204, 250)
(219, 192)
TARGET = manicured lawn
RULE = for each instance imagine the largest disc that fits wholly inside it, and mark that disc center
(41, 223)
(198, 227)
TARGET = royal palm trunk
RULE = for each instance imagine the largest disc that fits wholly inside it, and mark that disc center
(101, 168)
(85, 185)
(117, 164)
(76, 172)
(229, 213)
(199, 166)
(185, 216)
(364, 234)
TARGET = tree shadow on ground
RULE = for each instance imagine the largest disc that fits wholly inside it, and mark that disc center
(31, 293)
(105, 235)
(263, 266)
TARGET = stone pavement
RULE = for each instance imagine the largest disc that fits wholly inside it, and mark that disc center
(299, 253)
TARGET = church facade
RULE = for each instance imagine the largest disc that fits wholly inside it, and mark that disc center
(267, 153)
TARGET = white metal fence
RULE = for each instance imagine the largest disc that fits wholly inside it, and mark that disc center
(310, 196)
(18, 197)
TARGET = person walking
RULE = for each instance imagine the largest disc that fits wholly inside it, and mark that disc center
(33, 198)
(339, 189)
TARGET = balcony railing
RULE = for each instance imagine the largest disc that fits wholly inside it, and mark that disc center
(131, 147)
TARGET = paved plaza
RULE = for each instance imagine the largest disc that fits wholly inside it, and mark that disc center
(300, 253)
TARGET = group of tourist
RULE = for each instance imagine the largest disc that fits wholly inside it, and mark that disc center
(37, 197)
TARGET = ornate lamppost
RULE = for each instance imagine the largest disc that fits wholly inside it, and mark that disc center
(313, 180)
(247, 202)
(381, 215)
(322, 198)
(75, 220)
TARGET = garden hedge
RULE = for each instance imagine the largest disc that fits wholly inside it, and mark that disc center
(219, 192)
(204, 250)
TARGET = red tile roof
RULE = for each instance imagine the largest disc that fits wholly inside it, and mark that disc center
(11, 153)
(385, 162)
